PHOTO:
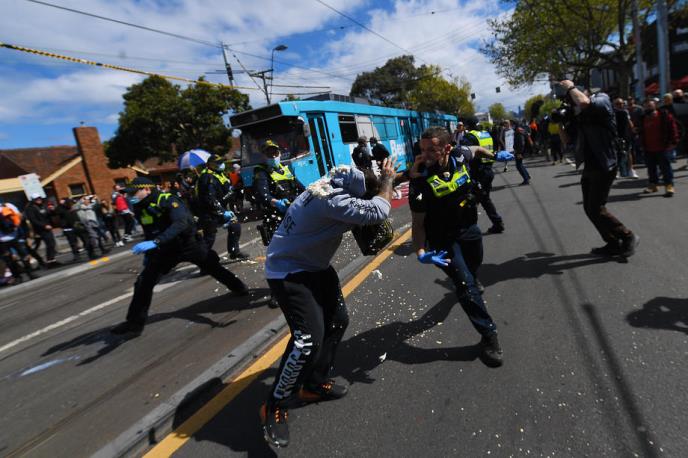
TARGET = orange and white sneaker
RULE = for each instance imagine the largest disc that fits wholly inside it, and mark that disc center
(669, 190)
(273, 418)
(328, 391)
(650, 189)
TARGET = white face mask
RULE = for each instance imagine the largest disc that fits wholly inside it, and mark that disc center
(273, 162)
(221, 167)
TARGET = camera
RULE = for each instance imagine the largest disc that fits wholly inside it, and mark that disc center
(563, 115)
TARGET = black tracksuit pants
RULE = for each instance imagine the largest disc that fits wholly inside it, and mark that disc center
(160, 261)
(485, 176)
(313, 305)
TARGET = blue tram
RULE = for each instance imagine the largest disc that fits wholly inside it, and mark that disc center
(316, 135)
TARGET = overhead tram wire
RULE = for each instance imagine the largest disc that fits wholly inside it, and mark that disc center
(364, 26)
(176, 35)
(114, 67)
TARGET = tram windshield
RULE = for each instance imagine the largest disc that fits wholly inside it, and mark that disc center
(286, 131)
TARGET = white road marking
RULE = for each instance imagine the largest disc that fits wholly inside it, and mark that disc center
(59, 324)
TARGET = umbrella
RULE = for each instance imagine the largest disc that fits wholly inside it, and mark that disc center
(193, 158)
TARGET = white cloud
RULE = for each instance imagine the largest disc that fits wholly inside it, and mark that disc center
(35, 95)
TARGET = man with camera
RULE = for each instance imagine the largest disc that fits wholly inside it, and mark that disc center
(597, 147)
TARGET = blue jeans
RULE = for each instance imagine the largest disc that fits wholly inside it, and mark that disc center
(466, 257)
(663, 161)
(522, 170)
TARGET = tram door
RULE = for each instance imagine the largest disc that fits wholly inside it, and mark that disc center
(321, 142)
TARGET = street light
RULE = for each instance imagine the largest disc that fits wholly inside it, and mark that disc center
(272, 65)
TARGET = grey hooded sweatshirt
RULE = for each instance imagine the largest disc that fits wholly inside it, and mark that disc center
(312, 229)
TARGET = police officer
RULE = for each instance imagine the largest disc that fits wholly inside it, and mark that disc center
(170, 239)
(445, 231)
(274, 188)
(481, 170)
(213, 193)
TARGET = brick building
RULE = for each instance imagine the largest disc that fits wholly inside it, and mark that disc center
(64, 171)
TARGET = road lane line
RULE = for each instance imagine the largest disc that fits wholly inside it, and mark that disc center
(177, 438)
(61, 323)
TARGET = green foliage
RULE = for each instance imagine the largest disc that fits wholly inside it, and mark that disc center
(390, 83)
(564, 39)
(162, 120)
(497, 112)
(400, 83)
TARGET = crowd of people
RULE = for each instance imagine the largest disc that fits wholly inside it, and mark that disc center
(87, 223)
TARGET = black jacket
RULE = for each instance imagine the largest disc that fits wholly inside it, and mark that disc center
(172, 223)
(211, 196)
(38, 217)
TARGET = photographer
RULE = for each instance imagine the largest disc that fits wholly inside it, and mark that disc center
(597, 147)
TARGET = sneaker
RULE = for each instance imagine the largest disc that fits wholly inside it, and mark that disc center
(491, 351)
(650, 189)
(610, 249)
(127, 329)
(238, 255)
(525, 183)
(634, 175)
(328, 391)
(629, 245)
(273, 419)
(669, 191)
(496, 229)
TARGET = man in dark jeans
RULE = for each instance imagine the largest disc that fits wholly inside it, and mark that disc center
(596, 127)
(38, 216)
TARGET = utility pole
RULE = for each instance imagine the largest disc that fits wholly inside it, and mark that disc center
(228, 68)
(263, 76)
(639, 67)
(663, 47)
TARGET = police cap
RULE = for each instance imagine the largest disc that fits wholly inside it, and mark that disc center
(269, 144)
(138, 183)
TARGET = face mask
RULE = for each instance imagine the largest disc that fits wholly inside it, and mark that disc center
(134, 200)
(273, 162)
(221, 167)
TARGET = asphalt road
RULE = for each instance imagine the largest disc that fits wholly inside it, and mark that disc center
(66, 384)
(595, 349)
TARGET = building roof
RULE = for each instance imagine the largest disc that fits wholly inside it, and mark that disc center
(41, 161)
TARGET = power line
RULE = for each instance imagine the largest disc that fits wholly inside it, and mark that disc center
(363, 26)
(113, 67)
(175, 35)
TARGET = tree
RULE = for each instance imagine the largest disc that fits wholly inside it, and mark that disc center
(433, 92)
(390, 83)
(497, 112)
(566, 38)
(160, 120)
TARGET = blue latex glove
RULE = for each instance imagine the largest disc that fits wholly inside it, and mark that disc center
(142, 247)
(282, 205)
(504, 156)
(228, 215)
(433, 257)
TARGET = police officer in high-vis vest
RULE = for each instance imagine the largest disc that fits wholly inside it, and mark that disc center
(213, 193)
(481, 171)
(171, 238)
(275, 188)
(444, 227)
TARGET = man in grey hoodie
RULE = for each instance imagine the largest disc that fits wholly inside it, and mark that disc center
(307, 288)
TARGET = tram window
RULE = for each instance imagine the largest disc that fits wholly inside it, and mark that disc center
(286, 131)
(347, 126)
(386, 127)
(366, 127)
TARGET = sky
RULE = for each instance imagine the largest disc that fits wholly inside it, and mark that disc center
(42, 99)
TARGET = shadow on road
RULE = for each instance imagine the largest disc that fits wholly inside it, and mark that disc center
(666, 313)
(362, 353)
(196, 313)
(535, 265)
(237, 426)
(644, 436)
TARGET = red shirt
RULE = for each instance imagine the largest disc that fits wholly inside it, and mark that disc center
(658, 137)
(121, 204)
